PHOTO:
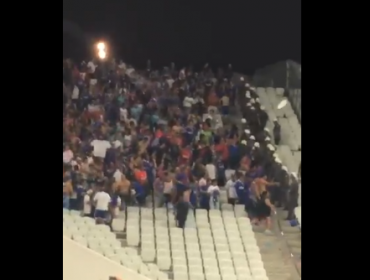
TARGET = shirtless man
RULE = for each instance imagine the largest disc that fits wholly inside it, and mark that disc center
(123, 188)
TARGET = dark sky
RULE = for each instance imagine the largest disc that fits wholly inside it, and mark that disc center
(249, 34)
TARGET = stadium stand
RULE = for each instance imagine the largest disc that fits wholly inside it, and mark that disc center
(216, 244)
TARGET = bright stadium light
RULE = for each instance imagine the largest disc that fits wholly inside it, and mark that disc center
(101, 46)
(101, 50)
(102, 54)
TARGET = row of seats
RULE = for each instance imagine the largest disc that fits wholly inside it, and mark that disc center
(100, 239)
(220, 246)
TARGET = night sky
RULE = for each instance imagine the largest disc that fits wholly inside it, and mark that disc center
(249, 34)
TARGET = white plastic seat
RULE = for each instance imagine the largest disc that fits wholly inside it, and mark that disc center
(204, 231)
(218, 231)
(191, 239)
(195, 268)
(176, 231)
(225, 258)
(179, 262)
(193, 256)
(206, 240)
(163, 252)
(178, 250)
(227, 207)
(238, 254)
(261, 277)
(229, 277)
(231, 227)
(131, 252)
(211, 269)
(194, 261)
(163, 262)
(236, 247)
(201, 212)
(162, 276)
(207, 246)
(180, 276)
(228, 213)
(75, 213)
(177, 243)
(196, 276)
(227, 270)
(242, 269)
(234, 238)
(132, 209)
(212, 276)
(180, 269)
(162, 242)
(148, 255)
(210, 262)
(202, 225)
(118, 225)
(133, 240)
(222, 247)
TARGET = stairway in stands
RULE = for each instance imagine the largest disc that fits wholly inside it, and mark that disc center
(276, 249)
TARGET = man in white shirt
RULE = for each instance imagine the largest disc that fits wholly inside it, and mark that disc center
(117, 175)
(100, 147)
(170, 82)
(67, 155)
(75, 93)
(225, 101)
(202, 182)
(87, 204)
(91, 66)
(211, 171)
(214, 195)
(123, 114)
(101, 200)
(188, 103)
(230, 190)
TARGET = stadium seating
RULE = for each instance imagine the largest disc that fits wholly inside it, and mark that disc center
(289, 149)
(221, 246)
(100, 239)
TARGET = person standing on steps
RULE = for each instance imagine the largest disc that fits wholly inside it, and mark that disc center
(277, 132)
(264, 207)
(293, 194)
(182, 208)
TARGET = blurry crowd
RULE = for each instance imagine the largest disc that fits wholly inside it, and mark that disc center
(168, 138)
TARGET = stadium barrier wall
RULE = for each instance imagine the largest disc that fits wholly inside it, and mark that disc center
(80, 262)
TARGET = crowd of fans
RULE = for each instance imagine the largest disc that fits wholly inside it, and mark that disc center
(169, 138)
